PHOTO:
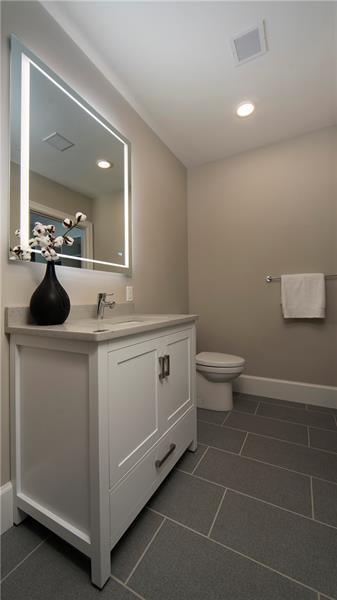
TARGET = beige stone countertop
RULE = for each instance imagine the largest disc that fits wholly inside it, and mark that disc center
(93, 329)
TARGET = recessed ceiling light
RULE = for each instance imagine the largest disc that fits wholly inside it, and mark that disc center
(245, 109)
(102, 163)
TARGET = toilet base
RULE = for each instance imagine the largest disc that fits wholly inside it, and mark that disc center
(213, 395)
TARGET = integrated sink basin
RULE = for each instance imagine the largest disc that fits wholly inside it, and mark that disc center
(117, 325)
(104, 325)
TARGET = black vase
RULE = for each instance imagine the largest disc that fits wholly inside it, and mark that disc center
(50, 304)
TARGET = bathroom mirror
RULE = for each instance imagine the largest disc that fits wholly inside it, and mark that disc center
(66, 158)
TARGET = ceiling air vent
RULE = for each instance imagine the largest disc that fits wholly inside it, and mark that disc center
(56, 140)
(249, 44)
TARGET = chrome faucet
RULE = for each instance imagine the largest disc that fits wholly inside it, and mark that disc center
(102, 303)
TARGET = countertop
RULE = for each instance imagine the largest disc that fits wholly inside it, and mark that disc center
(90, 328)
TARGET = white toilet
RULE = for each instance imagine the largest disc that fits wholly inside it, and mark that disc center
(215, 373)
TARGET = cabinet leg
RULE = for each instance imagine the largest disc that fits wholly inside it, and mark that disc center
(193, 446)
(100, 570)
(18, 515)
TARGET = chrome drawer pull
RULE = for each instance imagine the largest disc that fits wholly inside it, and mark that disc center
(161, 360)
(166, 365)
(160, 462)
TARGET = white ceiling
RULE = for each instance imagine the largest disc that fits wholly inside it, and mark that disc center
(172, 61)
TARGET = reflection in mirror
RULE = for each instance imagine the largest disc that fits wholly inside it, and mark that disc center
(66, 158)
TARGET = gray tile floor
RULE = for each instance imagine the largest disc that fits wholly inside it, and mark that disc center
(252, 515)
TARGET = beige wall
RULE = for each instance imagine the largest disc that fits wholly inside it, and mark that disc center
(271, 210)
(159, 192)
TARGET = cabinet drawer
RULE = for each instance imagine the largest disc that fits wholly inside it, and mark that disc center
(132, 493)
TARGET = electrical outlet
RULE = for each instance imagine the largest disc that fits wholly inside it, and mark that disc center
(129, 293)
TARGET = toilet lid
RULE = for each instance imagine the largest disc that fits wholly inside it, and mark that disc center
(218, 359)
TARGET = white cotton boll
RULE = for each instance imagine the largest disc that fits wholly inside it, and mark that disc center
(26, 254)
(47, 253)
(33, 242)
(68, 240)
(80, 217)
(58, 241)
(52, 254)
(67, 223)
(39, 229)
(50, 228)
(44, 241)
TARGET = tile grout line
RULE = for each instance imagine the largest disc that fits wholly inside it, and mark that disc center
(217, 512)
(293, 443)
(275, 402)
(308, 434)
(145, 550)
(127, 587)
(225, 419)
(253, 433)
(279, 439)
(24, 559)
(312, 499)
(272, 437)
(272, 464)
(264, 501)
(243, 443)
(265, 435)
(320, 428)
(257, 407)
(198, 477)
(209, 422)
(299, 423)
(199, 461)
(304, 425)
(323, 450)
(212, 540)
(311, 408)
(323, 410)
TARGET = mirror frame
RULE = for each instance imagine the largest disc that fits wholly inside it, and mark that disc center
(20, 62)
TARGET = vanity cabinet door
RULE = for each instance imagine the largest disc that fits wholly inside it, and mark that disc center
(176, 386)
(133, 382)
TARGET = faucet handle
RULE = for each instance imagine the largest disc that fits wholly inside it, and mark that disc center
(104, 295)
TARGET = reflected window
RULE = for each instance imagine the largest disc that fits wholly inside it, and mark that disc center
(77, 249)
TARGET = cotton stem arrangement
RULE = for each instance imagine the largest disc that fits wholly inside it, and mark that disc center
(44, 238)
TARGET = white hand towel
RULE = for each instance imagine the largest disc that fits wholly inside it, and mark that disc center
(303, 296)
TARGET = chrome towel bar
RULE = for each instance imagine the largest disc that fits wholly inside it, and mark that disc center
(271, 278)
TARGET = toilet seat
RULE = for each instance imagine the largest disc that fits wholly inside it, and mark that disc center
(218, 360)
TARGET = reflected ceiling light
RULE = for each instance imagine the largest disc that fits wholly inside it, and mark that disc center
(102, 163)
(245, 109)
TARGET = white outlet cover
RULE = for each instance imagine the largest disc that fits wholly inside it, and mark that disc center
(129, 293)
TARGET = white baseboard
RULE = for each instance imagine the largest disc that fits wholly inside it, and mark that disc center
(306, 393)
(6, 500)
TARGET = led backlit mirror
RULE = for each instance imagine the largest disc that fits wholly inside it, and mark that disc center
(66, 158)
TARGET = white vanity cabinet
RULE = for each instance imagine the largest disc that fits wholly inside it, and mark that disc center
(97, 426)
